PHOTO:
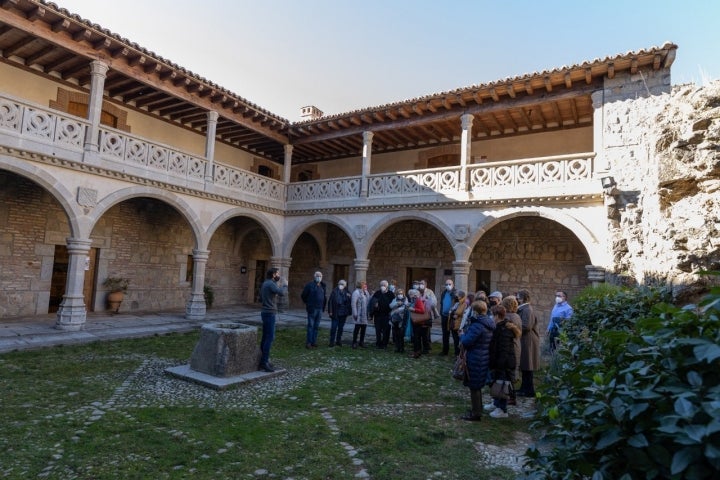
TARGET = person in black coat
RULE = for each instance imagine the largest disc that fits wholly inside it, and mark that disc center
(315, 300)
(476, 341)
(339, 307)
(380, 312)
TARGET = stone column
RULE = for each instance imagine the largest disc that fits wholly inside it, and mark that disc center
(361, 268)
(596, 274)
(196, 308)
(283, 264)
(98, 73)
(461, 270)
(465, 148)
(212, 119)
(72, 312)
(287, 164)
(366, 159)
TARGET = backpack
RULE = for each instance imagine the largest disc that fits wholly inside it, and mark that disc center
(502, 348)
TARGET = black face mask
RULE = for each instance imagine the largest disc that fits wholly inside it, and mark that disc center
(276, 278)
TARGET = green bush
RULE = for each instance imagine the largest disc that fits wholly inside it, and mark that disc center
(209, 296)
(633, 390)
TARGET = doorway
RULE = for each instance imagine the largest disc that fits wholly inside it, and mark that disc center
(414, 273)
(58, 283)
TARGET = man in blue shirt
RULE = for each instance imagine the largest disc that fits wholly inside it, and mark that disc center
(561, 311)
(315, 300)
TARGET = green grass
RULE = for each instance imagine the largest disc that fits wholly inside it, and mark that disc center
(108, 411)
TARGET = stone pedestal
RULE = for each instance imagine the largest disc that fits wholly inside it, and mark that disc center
(226, 349)
(227, 354)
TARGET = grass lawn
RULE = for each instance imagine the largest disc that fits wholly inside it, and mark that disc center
(108, 411)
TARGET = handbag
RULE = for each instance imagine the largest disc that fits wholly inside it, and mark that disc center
(501, 389)
(459, 371)
(419, 318)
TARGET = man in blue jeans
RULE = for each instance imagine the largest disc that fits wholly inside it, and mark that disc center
(315, 300)
(272, 287)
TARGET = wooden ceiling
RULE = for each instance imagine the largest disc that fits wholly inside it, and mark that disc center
(48, 40)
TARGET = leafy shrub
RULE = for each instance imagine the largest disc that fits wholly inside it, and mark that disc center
(633, 391)
(209, 294)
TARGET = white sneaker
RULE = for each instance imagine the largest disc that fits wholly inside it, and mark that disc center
(498, 413)
(489, 407)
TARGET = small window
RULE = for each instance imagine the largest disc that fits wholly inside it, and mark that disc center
(265, 171)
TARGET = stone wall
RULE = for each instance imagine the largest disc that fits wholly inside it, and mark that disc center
(667, 167)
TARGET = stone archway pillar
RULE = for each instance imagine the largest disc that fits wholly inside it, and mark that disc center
(212, 120)
(196, 308)
(596, 274)
(98, 73)
(283, 264)
(465, 149)
(366, 162)
(287, 163)
(461, 271)
(72, 312)
(361, 268)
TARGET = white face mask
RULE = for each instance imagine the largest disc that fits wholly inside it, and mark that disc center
(341, 287)
(318, 279)
(448, 287)
(558, 299)
(400, 297)
(383, 289)
(392, 288)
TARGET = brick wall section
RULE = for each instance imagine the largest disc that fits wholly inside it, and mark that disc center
(31, 222)
(533, 253)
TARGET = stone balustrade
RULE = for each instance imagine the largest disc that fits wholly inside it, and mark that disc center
(531, 177)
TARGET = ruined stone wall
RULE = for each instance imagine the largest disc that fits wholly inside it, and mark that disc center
(665, 158)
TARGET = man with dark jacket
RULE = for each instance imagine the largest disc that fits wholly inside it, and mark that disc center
(315, 299)
(339, 307)
(380, 311)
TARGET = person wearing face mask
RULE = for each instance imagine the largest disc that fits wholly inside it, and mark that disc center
(315, 299)
(560, 312)
(272, 288)
(381, 314)
(398, 319)
(339, 307)
(360, 301)
(428, 297)
(447, 300)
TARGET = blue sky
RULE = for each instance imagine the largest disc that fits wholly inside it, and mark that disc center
(342, 55)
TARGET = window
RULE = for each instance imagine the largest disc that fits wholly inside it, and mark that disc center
(81, 110)
(265, 171)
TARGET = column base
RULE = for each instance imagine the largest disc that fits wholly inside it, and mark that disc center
(196, 308)
(71, 317)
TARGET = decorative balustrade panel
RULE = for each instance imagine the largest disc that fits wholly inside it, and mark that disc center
(48, 127)
(323, 190)
(545, 171)
(137, 152)
(436, 180)
(248, 182)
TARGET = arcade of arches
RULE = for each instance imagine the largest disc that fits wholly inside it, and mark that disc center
(151, 243)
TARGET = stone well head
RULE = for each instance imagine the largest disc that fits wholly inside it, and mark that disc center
(226, 349)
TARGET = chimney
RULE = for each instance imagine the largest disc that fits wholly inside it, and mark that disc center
(311, 112)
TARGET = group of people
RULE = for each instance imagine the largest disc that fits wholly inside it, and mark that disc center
(498, 333)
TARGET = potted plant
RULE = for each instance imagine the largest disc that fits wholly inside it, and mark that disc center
(117, 287)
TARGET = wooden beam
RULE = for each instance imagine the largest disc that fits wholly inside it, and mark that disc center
(528, 87)
(556, 112)
(70, 72)
(36, 14)
(525, 118)
(548, 84)
(417, 109)
(588, 75)
(63, 24)
(494, 95)
(669, 58)
(568, 80)
(31, 59)
(431, 107)
(10, 50)
(510, 90)
(611, 70)
(574, 110)
(533, 102)
(459, 99)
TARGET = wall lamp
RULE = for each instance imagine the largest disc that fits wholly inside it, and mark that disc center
(608, 182)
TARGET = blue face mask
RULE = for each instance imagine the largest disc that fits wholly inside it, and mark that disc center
(317, 279)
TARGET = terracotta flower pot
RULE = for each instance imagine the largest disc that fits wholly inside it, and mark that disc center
(114, 300)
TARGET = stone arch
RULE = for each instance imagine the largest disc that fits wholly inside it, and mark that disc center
(171, 199)
(61, 194)
(270, 229)
(586, 237)
(292, 236)
(383, 223)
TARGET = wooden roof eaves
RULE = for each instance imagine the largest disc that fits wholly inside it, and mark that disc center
(475, 109)
(59, 27)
